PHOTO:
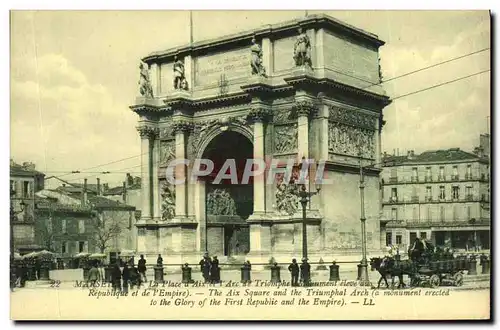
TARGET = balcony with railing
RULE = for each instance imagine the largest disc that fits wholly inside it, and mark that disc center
(393, 180)
(414, 179)
(441, 178)
(455, 178)
(469, 198)
(414, 199)
(428, 178)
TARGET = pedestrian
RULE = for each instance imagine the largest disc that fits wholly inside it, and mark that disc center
(294, 271)
(215, 270)
(305, 272)
(116, 276)
(205, 265)
(125, 277)
(141, 267)
(94, 275)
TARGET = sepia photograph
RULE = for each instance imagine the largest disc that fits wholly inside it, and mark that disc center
(250, 165)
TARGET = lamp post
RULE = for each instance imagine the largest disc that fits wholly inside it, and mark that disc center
(305, 197)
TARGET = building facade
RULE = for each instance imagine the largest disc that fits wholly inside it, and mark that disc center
(70, 222)
(439, 195)
(277, 93)
(25, 181)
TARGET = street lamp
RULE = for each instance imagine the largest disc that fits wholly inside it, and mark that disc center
(305, 197)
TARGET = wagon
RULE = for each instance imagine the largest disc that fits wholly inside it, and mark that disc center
(437, 272)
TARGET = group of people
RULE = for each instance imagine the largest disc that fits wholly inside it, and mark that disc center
(210, 269)
(122, 279)
(304, 270)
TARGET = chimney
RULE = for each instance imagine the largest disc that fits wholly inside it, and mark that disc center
(124, 194)
(99, 192)
(413, 153)
(84, 192)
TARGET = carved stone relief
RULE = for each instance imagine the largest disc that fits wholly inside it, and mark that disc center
(287, 200)
(351, 117)
(283, 116)
(166, 132)
(167, 201)
(200, 130)
(220, 202)
(285, 138)
(167, 152)
(352, 141)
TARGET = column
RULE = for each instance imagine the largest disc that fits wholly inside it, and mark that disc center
(189, 71)
(304, 110)
(156, 189)
(319, 49)
(153, 76)
(267, 55)
(312, 37)
(144, 132)
(180, 129)
(377, 141)
(257, 116)
(199, 209)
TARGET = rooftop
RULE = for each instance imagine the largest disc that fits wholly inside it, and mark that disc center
(26, 169)
(431, 156)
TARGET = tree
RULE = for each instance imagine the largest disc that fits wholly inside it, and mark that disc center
(44, 233)
(106, 229)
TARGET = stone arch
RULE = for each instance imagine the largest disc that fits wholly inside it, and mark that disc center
(218, 129)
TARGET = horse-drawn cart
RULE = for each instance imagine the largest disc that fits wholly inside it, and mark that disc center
(437, 272)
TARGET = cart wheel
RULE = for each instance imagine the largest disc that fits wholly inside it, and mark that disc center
(458, 279)
(434, 281)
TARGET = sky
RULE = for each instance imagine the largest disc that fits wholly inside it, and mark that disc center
(74, 75)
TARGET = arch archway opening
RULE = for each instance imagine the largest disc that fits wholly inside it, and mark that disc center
(227, 203)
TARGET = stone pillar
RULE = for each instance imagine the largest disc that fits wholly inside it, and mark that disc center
(258, 117)
(377, 141)
(319, 50)
(189, 71)
(267, 55)
(200, 215)
(323, 140)
(156, 188)
(312, 37)
(180, 129)
(304, 109)
(146, 133)
(154, 77)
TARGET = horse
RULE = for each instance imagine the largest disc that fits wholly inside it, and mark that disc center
(393, 268)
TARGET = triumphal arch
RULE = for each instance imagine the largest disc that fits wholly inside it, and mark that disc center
(304, 88)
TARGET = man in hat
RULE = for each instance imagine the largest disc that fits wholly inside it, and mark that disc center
(205, 265)
(293, 268)
(141, 267)
(215, 270)
(305, 272)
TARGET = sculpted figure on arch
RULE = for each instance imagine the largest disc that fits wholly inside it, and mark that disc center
(256, 59)
(180, 81)
(302, 49)
(145, 87)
